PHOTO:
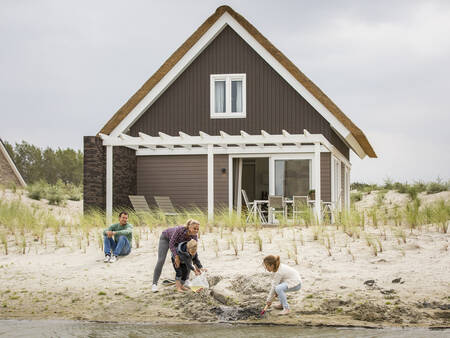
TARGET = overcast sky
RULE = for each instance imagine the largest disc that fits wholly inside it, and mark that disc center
(67, 66)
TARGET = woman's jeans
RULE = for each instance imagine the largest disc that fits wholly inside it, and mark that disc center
(281, 290)
(121, 248)
(163, 247)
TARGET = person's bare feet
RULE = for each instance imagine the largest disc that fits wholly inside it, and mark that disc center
(278, 307)
(180, 289)
(185, 288)
(284, 312)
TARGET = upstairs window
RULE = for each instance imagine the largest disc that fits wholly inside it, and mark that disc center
(228, 96)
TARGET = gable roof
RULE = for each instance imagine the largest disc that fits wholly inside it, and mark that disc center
(10, 161)
(356, 136)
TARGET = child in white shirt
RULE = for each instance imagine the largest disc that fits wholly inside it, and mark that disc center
(285, 279)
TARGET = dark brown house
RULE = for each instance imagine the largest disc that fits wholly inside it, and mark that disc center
(227, 111)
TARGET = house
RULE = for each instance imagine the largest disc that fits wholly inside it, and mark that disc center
(226, 111)
(9, 175)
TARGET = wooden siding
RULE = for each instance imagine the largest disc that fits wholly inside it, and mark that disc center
(183, 178)
(325, 177)
(272, 104)
(220, 182)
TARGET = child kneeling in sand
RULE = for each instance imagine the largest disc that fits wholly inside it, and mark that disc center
(187, 251)
(285, 279)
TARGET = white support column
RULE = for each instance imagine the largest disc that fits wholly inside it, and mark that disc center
(230, 184)
(109, 184)
(239, 188)
(317, 180)
(210, 183)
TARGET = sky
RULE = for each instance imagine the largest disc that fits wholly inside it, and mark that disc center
(67, 66)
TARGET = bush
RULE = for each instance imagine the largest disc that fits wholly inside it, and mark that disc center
(54, 195)
(438, 186)
(355, 197)
(74, 192)
(37, 190)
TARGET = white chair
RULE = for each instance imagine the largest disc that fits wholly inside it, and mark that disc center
(276, 205)
(253, 209)
(327, 209)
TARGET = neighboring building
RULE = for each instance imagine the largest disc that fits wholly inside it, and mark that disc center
(9, 175)
(226, 111)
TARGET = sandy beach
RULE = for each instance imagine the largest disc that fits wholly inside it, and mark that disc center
(407, 282)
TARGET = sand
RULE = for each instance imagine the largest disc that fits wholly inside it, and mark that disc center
(345, 285)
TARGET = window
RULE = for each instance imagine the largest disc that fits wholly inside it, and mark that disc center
(292, 177)
(228, 96)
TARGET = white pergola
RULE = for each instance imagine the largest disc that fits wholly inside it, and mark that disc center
(184, 144)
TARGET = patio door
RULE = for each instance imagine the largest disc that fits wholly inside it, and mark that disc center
(291, 176)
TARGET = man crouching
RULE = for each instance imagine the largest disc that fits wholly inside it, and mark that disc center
(120, 245)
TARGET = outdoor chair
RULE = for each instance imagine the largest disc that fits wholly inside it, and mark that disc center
(165, 205)
(300, 206)
(276, 205)
(139, 203)
(327, 209)
(252, 209)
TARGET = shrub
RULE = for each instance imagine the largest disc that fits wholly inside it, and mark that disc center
(54, 195)
(438, 186)
(355, 197)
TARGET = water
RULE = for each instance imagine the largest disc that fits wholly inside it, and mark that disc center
(45, 328)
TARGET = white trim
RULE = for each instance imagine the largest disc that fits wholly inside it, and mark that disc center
(199, 46)
(230, 150)
(239, 189)
(339, 155)
(210, 183)
(336, 182)
(12, 165)
(230, 184)
(317, 181)
(347, 187)
(228, 114)
(109, 183)
(244, 139)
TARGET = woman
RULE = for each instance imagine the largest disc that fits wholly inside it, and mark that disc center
(170, 238)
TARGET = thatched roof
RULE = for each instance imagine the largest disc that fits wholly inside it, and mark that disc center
(279, 56)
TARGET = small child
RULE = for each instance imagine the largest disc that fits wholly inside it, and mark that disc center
(285, 279)
(187, 251)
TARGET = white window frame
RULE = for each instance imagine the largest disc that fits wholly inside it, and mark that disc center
(336, 182)
(228, 78)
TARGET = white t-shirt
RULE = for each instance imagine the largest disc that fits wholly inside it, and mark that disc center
(285, 274)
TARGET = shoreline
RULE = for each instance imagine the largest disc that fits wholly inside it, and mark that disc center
(237, 324)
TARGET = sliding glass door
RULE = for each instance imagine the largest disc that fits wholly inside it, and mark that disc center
(292, 177)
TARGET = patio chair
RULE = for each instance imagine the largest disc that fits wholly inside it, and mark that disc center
(327, 209)
(139, 203)
(276, 205)
(299, 206)
(252, 209)
(165, 205)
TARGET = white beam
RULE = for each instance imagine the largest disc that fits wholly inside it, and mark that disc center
(210, 183)
(239, 188)
(109, 184)
(224, 134)
(317, 180)
(231, 150)
(230, 184)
